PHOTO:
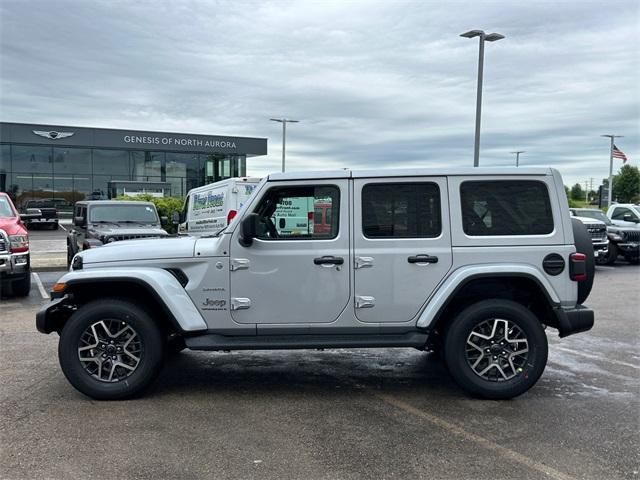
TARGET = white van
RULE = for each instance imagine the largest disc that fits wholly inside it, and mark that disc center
(211, 207)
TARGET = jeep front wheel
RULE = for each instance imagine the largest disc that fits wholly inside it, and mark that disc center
(496, 349)
(110, 349)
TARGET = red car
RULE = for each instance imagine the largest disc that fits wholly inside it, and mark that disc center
(14, 249)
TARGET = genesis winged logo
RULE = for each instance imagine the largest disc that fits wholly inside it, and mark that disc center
(52, 134)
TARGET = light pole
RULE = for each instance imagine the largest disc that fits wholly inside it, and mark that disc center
(284, 122)
(518, 157)
(610, 192)
(491, 37)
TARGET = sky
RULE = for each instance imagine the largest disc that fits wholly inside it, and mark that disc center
(373, 84)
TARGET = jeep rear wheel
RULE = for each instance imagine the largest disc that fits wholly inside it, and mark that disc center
(111, 349)
(496, 349)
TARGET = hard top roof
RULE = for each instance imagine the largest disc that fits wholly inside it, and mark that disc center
(411, 172)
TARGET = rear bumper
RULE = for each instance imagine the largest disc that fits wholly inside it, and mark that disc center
(574, 320)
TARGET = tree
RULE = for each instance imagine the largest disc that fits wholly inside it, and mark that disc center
(576, 192)
(626, 184)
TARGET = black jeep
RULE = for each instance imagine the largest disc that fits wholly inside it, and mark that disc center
(99, 222)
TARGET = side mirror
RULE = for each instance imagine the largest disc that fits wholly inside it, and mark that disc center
(249, 229)
(164, 219)
(627, 217)
(79, 221)
(175, 218)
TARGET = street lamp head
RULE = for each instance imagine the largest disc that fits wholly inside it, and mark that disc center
(493, 37)
(276, 120)
(472, 33)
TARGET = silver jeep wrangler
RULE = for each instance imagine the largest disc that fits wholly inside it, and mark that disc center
(474, 263)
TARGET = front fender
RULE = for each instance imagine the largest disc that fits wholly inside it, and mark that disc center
(160, 283)
(462, 275)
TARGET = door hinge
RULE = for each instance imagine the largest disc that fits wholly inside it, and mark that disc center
(240, 303)
(363, 262)
(365, 302)
(239, 264)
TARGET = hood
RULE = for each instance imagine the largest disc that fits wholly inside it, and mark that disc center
(108, 229)
(590, 221)
(12, 225)
(133, 250)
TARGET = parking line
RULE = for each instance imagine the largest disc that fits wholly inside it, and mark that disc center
(62, 227)
(43, 292)
(488, 444)
(596, 357)
(603, 267)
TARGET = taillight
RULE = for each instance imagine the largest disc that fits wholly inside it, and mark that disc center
(578, 267)
(309, 216)
(231, 215)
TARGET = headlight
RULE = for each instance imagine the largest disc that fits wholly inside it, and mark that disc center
(19, 243)
(616, 237)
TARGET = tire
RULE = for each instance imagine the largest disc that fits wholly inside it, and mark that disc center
(69, 256)
(527, 367)
(148, 343)
(22, 286)
(612, 254)
(584, 245)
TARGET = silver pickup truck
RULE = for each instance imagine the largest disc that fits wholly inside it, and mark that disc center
(473, 262)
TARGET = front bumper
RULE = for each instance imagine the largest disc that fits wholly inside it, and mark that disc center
(631, 249)
(52, 315)
(574, 320)
(14, 264)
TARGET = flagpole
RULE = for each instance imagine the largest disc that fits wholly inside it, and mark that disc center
(610, 192)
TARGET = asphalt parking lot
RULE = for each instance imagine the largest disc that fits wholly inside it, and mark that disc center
(379, 413)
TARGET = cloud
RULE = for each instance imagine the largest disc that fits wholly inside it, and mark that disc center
(375, 84)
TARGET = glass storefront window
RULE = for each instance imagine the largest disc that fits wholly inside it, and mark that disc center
(100, 186)
(69, 189)
(19, 188)
(5, 166)
(110, 162)
(71, 161)
(147, 166)
(242, 166)
(31, 159)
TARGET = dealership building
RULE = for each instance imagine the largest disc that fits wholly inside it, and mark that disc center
(67, 164)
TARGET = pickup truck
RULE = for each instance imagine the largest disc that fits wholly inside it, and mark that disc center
(48, 214)
(14, 249)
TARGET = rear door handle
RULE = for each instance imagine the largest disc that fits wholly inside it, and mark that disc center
(328, 260)
(422, 259)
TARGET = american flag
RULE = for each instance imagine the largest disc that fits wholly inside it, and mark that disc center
(619, 154)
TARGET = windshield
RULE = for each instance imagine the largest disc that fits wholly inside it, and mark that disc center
(597, 214)
(637, 208)
(5, 208)
(123, 213)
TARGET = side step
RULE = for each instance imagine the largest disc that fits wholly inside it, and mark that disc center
(212, 341)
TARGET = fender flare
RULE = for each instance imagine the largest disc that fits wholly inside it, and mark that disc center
(460, 277)
(161, 284)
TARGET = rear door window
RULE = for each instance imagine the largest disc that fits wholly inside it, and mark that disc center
(401, 210)
(506, 207)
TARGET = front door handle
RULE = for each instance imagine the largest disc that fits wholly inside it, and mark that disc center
(423, 259)
(328, 260)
